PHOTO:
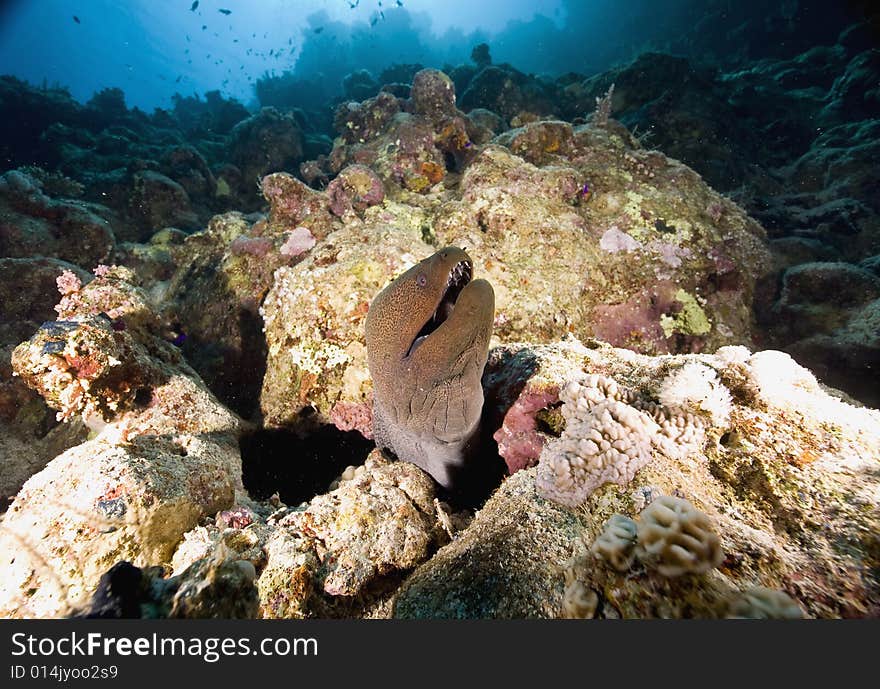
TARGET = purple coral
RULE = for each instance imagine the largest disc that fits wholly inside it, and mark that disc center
(250, 246)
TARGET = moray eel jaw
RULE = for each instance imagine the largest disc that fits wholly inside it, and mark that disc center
(427, 339)
(458, 278)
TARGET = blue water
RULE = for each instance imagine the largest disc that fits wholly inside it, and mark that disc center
(155, 48)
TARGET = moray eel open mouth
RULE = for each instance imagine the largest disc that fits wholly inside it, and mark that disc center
(459, 277)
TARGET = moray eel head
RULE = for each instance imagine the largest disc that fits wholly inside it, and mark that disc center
(427, 339)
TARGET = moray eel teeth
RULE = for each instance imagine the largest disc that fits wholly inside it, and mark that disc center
(427, 337)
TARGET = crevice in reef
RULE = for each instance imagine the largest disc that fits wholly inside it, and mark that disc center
(298, 468)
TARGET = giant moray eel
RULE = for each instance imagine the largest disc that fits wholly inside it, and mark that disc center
(427, 343)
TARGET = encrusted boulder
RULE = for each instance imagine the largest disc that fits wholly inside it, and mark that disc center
(164, 453)
(744, 438)
(605, 240)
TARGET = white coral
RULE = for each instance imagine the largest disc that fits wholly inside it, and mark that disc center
(695, 388)
(616, 544)
(676, 538)
(605, 440)
(608, 438)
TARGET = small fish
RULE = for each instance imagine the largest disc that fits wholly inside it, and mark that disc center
(76, 19)
(374, 20)
(382, 13)
(319, 29)
(204, 26)
(195, 6)
(177, 81)
(586, 192)
(224, 11)
(352, 5)
(400, 3)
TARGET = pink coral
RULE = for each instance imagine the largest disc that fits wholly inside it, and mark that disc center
(519, 442)
(351, 416)
(298, 242)
(68, 283)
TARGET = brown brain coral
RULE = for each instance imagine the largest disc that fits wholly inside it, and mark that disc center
(676, 538)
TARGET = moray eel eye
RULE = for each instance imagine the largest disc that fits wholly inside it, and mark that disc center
(459, 276)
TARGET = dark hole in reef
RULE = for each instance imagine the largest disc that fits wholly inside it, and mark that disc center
(549, 420)
(450, 162)
(298, 468)
(725, 439)
(234, 374)
(143, 397)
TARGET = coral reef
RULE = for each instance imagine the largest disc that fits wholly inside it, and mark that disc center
(186, 291)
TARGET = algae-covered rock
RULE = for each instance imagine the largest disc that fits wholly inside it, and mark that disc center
(314, 325)
(29, 433)
(33, 223)
(382, 519)
(605, 240)
(215, 588)
(506, 564)
(164, 454)
(224, 273)
(334, 555)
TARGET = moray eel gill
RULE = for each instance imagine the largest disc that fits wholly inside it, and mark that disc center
(427, 343)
